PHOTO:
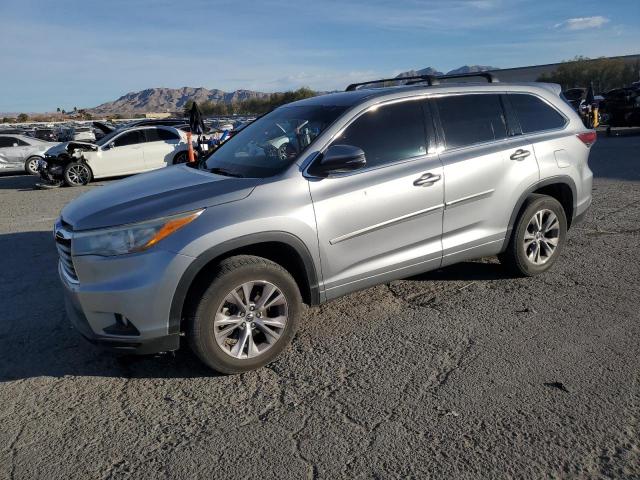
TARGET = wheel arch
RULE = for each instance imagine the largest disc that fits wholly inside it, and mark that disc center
(281, 247)
(561, 187)
(30, 157)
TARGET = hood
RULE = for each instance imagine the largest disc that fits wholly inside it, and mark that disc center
(69, 147)
(163, 192)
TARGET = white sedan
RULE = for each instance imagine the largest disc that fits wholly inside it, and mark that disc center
(122, 152)
(21, 153)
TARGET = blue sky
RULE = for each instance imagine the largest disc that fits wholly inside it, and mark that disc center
(81, 53)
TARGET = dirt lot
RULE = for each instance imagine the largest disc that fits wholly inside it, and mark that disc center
(461, 373)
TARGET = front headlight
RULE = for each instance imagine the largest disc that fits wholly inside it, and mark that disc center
(129, 238)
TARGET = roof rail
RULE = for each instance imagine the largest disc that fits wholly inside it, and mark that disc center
(430, 79)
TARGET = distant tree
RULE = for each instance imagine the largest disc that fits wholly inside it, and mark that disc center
(604, 73)
(252, 106)
(23, 117)
(58, 110)
(63, 112)
(75, 109)
(8, 120)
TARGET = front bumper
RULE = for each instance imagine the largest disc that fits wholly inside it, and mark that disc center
(138, 288)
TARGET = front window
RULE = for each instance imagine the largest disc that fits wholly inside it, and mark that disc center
(107, 138)
(271, 143)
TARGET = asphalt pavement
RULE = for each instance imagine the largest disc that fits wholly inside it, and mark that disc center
(462, 373)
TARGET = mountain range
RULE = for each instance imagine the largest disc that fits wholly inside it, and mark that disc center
(171, 99)
(175, 99)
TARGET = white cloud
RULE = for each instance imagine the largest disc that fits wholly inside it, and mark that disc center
(583, 23)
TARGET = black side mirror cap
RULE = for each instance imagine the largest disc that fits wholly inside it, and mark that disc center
(339, 159)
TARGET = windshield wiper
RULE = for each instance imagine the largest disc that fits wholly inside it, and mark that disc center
(227, 173)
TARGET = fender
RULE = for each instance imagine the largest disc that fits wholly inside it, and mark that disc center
(180, 295)
(563, 179)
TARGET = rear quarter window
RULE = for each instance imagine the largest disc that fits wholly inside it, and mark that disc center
(534, 114)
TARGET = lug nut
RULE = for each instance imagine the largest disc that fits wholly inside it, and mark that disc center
(252, 308)
(253, 325)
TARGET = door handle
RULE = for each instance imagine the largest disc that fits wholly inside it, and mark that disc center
(520, 154)
(426, 179)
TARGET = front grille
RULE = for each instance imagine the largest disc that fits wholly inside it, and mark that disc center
(63, 242)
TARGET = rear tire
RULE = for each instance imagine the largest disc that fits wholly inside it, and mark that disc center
(231, 333)
(77, 174)
(31, 165)
(180, 157)
(538, 237)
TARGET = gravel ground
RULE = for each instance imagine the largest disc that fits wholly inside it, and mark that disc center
(461, 373)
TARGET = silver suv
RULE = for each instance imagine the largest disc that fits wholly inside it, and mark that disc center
(317, 199)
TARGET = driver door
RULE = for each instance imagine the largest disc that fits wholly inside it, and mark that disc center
(124, 157)
(384, 221)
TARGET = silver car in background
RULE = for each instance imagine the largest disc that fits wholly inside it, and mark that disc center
(22, 153)
(371, 185)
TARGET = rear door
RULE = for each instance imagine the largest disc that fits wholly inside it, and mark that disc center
(13, 149)
(125, 157)
(160, 147)
(487, 166)
(384, 221)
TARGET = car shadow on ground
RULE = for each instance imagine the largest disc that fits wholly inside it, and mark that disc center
(17, 181)
(36, 338)
(480, 270)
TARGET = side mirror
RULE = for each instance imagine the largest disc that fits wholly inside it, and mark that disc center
(111, 145)
(339, 159)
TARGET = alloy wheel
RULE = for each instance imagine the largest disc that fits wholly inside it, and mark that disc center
(78, 174)
(250, 319)
(541, 237)
(32, 166)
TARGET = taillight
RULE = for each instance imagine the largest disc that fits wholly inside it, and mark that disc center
(588, 138)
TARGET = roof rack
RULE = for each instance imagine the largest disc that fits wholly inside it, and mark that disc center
(431, 80)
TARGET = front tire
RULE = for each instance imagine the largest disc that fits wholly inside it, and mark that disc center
(77, 174)
(247, 315)
(31, 165)
(538, 237)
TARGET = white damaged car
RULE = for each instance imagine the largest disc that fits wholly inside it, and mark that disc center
(119, 153)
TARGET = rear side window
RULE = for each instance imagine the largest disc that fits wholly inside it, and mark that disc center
(534, 114)
(388, 134)
(160, 135)
(130, 138)
(7, 142)
(470, 119)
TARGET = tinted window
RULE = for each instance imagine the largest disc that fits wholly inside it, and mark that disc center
(6, 142)
(388, 134)
(534, 114)
(471, 119)
(129, 138)
(160, 135)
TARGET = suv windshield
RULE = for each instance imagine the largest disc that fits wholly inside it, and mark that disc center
(271, 143)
